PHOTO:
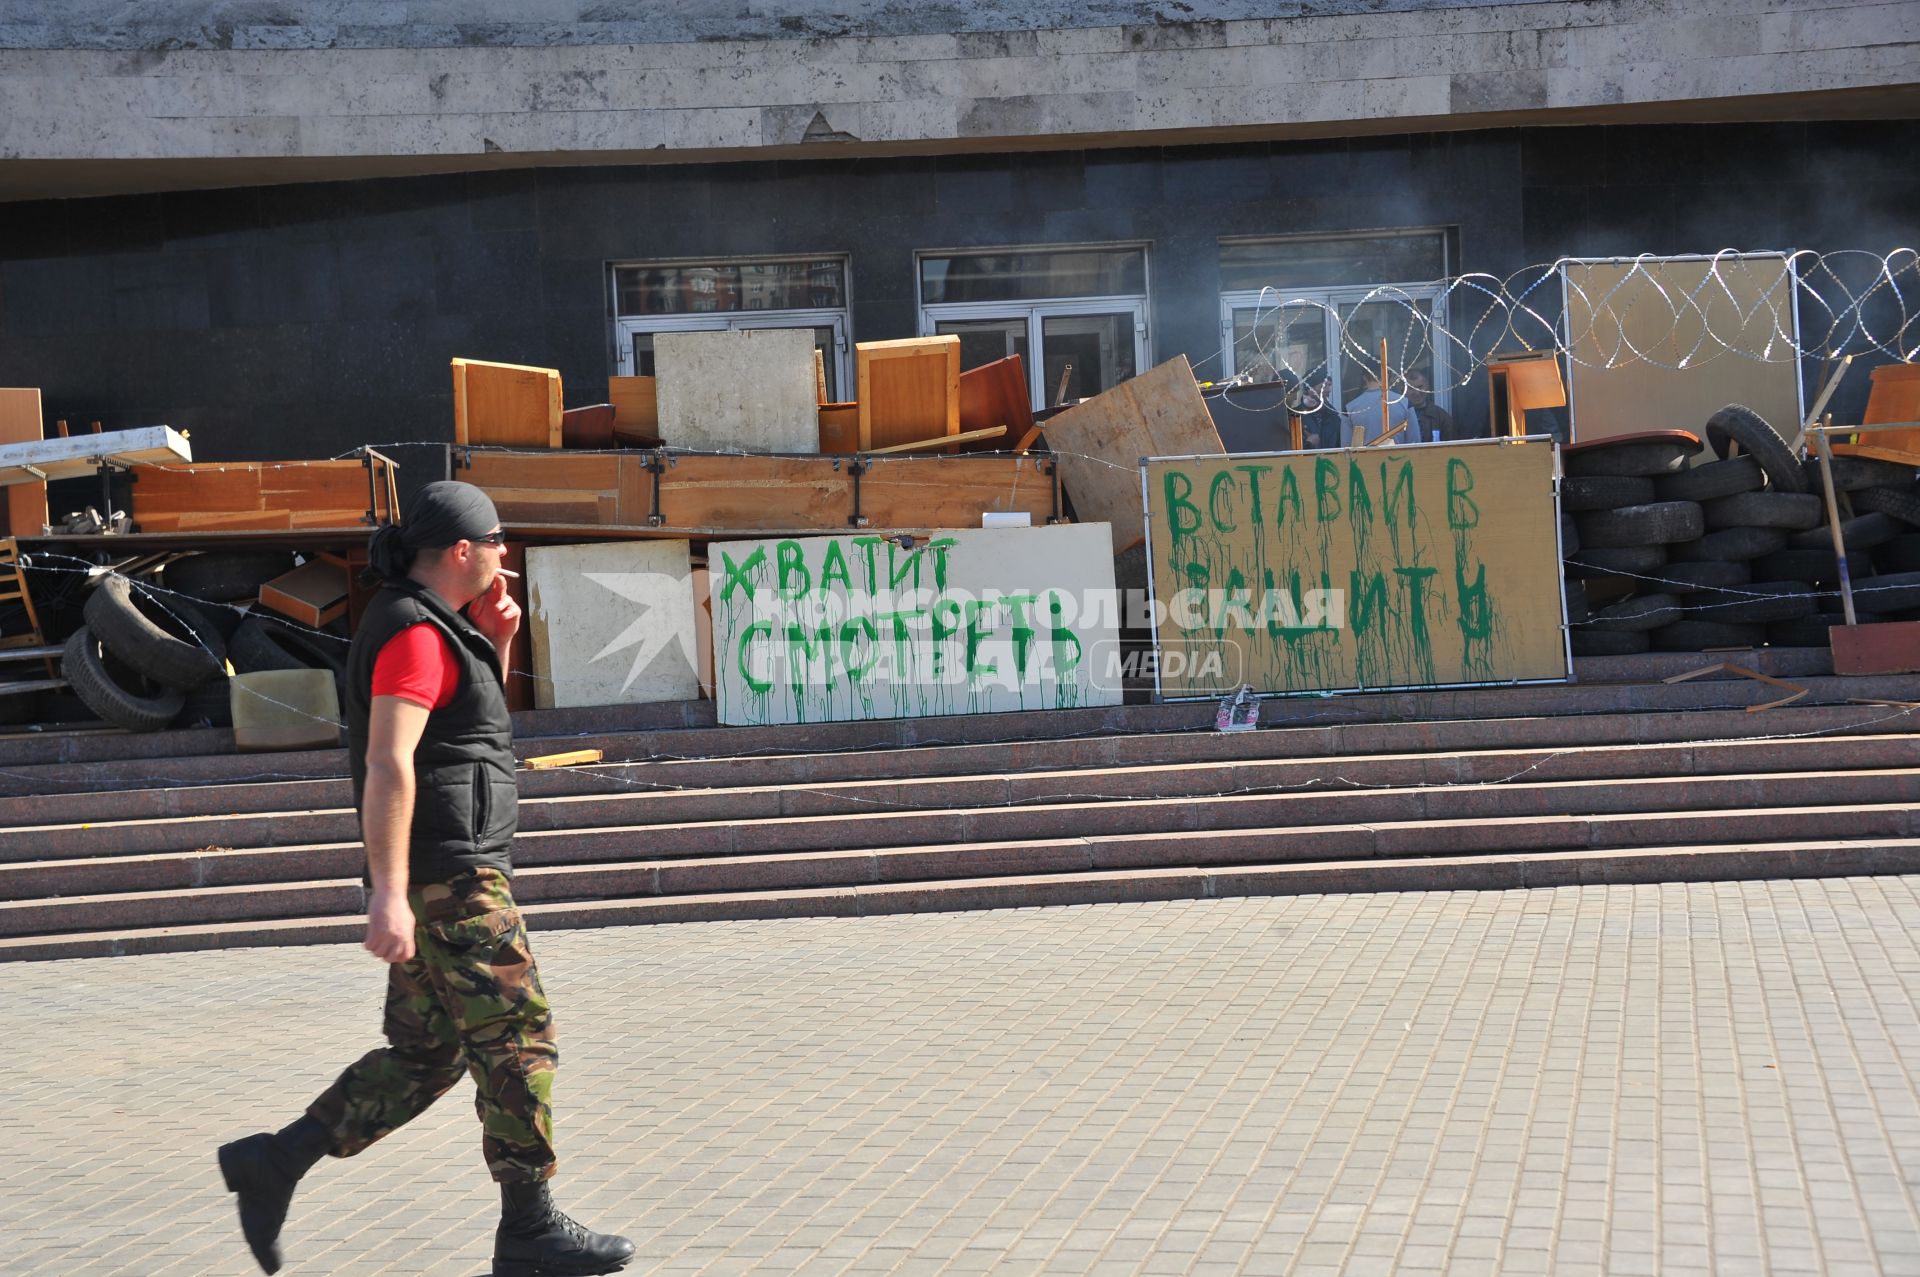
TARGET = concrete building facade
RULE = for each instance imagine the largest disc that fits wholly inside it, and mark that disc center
(276, 232)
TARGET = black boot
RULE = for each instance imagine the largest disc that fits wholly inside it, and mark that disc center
(263, 1169)
(537, 1240)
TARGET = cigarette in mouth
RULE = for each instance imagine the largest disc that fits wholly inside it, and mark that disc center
(507, 572)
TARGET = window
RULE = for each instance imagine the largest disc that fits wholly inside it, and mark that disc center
(678, 297)
(1342, 295)
(1077, 317)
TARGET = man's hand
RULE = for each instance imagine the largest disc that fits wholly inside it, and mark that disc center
(389, 927)
(495, 615)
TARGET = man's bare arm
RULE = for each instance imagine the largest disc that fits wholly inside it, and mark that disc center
(386, 814)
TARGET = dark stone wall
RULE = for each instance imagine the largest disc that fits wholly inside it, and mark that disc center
(301, 321)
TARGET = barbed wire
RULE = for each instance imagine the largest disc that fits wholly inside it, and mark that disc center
(1659, 312)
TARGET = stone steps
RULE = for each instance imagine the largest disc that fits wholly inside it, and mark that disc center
(124, 847)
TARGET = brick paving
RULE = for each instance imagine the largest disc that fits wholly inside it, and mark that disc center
(1679, 1080)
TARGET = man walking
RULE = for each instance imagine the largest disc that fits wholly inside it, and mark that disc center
(430, 751)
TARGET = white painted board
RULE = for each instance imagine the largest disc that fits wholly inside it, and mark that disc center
(81, 454)
(830, 629)
(747, 391)
(611, 623)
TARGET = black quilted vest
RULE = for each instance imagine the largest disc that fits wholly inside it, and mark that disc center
(465, 802)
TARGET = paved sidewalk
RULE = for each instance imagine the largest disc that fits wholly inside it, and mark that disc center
(1620, 1080)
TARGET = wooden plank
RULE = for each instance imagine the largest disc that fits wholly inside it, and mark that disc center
(636, 406)
(81, 454)
(752, 492)
(506, 405)
(953, 492)
(242, 521)
(547, 505)
(197, 489)
(1100, 442)
(355, 519)
(928, 445)
(334, 485)
(839, 427)
(908, 390)
(996, 394)
(590, 472)
(21, 422)
(635, 486)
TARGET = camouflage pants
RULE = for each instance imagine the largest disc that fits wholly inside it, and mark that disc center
(469, 1000)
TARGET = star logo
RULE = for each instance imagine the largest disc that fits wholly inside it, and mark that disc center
(647, 634)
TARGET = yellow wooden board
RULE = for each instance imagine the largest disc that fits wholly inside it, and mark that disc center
(1663, 344)
(505, 405)
(908, 390)
(1418, 566)
(1100, 443)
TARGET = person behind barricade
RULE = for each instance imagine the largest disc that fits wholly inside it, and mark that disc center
(430, 749)
(1436, 423)
(1360, 423)
(1320, 421)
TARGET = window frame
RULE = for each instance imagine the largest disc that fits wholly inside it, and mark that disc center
(1332, 297)
(1035, 312)
(623, 328)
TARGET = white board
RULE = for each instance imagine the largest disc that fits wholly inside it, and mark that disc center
(748, 391)
(75, 455)
(612, 623)
(826, 629)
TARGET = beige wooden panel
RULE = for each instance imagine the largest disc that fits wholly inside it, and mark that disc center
(834, 628)
(1376, 567)
(1654, 349)
(908, 390)
(1100, 443)
(505, 405)
(21, 422)
(636, 406)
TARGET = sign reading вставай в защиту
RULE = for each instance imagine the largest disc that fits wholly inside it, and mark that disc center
(823, 629)
(1377, 567)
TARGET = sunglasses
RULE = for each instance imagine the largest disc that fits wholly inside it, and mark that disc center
(498, 537)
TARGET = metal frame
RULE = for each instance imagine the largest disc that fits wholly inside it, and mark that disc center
(627, 327)
(1160, 697)
(1333, 299)
(1036, 314)
(1036, 311)
(1791, 258)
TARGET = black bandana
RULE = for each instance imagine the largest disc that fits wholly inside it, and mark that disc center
(441, 514)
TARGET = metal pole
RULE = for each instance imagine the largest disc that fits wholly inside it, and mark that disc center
(1833, 525)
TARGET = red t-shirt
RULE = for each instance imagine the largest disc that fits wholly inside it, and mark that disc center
(418, 666)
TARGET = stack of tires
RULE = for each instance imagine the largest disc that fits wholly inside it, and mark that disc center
(1734, 552)
(256, 641)
(140, 653)
(151, 655)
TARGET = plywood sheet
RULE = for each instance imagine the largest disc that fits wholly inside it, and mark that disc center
(839, 427)
(908, 390)
(612, 623)
(1421, 566)
(1100, 443)
(819, 629)
(21, 422)
(748, 391)
(636, 409)
(250, 495)
(67, 458)
(506, 405)
(996, 394)
(1658, 345)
